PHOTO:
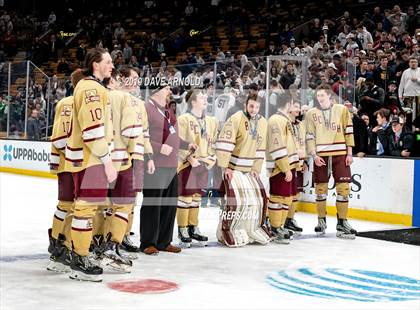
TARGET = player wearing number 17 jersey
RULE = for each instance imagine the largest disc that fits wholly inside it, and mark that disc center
(60, 241)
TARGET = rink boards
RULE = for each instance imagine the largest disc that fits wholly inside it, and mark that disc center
(382, 189)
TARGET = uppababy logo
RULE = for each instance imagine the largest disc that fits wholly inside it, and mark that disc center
(7, 152)
(22, 153)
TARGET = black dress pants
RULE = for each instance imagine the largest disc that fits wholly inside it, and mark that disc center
(158, 211)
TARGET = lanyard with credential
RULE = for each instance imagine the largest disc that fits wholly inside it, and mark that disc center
(168, 119)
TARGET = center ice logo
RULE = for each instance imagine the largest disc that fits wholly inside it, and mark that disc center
(353, 284)
(7, 153)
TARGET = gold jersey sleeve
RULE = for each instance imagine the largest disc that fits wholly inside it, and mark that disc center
(299, 136)
(329, 132)
(126, 128)
(281, 152)
(204, 136)
(141, 145)
(90, 139)
(59, 135)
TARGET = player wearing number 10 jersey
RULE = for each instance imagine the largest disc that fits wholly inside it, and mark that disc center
(88, 157)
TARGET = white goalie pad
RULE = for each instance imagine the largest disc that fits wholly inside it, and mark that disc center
(242, 218)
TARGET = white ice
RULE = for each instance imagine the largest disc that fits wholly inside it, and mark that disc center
(209, 278)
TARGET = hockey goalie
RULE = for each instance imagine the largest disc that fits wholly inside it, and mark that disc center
(240, 153)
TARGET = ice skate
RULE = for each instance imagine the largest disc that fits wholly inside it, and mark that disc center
(195, 234)
(291, 225)
(60, 262)
(60, 258)
(344, 230)
(281, 235)
(82, 269)
(51, 245)
(126, 254)
(184, 237)
(321, 227)
(113, 260)
(128, 246)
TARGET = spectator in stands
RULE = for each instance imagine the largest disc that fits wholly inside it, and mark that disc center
(351, 45)
(316, 30)
(40, 100)
(380, 133)
(360, 148)
(33, 127)
(392, 102)
(362, 70)
(412, 20)
(377, 16)
(288, 77)
(116, 51)
(306, 49)
(293, 50)
(41, 115)
(127, 52)
(365, 118)
(343, 88)
(372, 98)
(189, 9)
(364, 36)
(133, 62)
(400, 139)
(402, 63)
(119, 33)
(52, 18)
(14, 132)
(3, 113)
(398, 19)
(416, 136)
(149, 5)
(60, 92)
(275, 91)
(383, 74)
(409, 89)
(320, 43)
(81, 53)
(332, 73)
(271, 50)
(63, 66)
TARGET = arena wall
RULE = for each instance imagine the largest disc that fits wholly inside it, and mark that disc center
(382, 189)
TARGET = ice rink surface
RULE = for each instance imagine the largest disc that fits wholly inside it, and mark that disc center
(310, 273)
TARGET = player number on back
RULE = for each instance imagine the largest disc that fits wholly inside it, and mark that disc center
(96, 114)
